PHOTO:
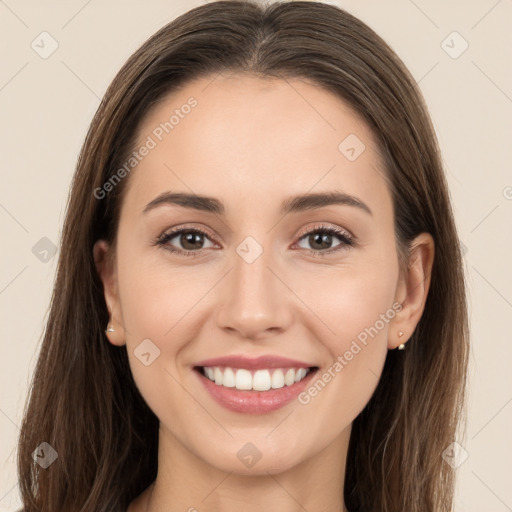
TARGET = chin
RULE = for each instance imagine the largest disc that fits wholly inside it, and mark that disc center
(253, 458)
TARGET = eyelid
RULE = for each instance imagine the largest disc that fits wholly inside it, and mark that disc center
(321, 225)
(341, 233)
(176, 230)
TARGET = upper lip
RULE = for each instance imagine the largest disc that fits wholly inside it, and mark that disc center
(254, 363)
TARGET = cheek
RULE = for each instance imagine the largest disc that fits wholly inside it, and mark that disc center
(352, 310)
(349, 300)
(158, 298)
(154, 303)
(362, 307)
(158, 312)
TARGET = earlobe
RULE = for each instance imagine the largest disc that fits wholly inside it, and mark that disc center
(105, 267)
(402, 345)
(413, 290)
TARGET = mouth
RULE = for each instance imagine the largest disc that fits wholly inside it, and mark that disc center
(262, 379)
(254, 391)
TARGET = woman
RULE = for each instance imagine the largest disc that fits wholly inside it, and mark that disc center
(259, 300)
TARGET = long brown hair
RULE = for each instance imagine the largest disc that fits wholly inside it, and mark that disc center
(83, 400)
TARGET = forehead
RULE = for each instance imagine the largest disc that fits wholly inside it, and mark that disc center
(251, 140)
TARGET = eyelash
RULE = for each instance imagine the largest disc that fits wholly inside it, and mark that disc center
(346, 239)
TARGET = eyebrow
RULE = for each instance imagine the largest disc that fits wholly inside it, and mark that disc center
(293, 204)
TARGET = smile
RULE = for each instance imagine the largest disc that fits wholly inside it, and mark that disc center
(257, 391)
(257, 380)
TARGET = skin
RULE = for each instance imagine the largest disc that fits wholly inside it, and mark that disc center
(252, 143)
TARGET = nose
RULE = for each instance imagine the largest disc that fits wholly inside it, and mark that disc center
(256, 302)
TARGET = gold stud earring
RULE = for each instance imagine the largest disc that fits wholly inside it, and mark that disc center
(402, 345)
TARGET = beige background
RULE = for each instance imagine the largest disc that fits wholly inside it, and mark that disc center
(46, 107)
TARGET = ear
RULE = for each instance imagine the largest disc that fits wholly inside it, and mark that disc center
(412, 289)
(107, 270)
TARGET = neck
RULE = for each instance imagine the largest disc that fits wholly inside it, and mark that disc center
(186, 482)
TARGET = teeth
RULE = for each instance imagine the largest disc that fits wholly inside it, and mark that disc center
(229, 378)
(277, 379)
(299, 375)
(243, 379)
(289, 377)
(261, 380)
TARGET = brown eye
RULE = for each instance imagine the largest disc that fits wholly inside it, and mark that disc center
(321, 238)
(189, 241)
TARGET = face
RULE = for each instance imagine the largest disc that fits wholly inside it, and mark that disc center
(253, 272)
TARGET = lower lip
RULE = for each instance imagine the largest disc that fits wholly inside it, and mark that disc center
(254, 402)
